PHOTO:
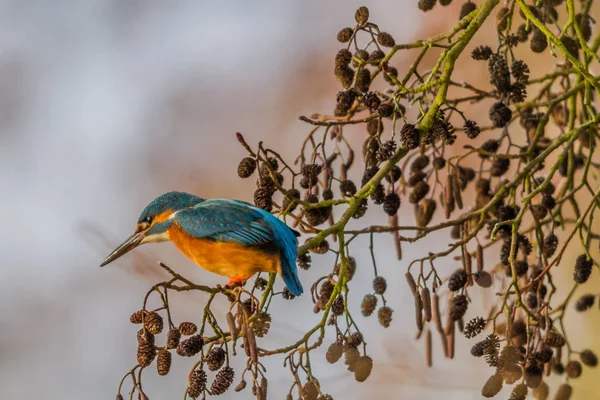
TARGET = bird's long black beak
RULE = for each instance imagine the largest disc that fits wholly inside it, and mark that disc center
(131, 243)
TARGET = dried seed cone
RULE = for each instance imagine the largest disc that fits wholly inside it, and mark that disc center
(385, 316)
(153, 323)
(474, 327)
(409, 136)
(583, 269)
(533, 375)
(466, 9)
(362, 368)
(145, 337)
(564, 392)
(190, 346)
(385, 39)
(163, 362)
(310, 391)
(368, 305)
(457, 280)
(391, 203)
(424, 212)
(334, 352)
(458, 308)
(215, 358)
(344, 35)
(119, 396)
(187, 328)
(173, 338)
(197, 383)
(519, 392)
(573, 369)
(222, 381)
(541, 392)
(379, 285)
(136, 317)
(146, 354)
(554, 339)
(493, 386)
(362, 15)
(426, 5)
(589, 358)
(246, 167)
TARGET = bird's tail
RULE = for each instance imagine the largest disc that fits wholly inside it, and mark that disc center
(288, 251)
(289, 273)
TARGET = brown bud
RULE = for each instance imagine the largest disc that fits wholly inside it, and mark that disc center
(426, 301)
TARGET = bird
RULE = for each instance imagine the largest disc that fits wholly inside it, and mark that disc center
(227, 237)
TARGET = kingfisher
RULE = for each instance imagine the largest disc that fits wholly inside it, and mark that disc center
(227, 237)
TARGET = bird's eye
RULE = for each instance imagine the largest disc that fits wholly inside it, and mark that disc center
(145, 224)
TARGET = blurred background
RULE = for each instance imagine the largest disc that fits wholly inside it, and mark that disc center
(104, 104)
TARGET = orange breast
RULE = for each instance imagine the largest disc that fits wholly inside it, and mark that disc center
(223, 258)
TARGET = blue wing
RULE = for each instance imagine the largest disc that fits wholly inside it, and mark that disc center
(238, 222)
(225, 220)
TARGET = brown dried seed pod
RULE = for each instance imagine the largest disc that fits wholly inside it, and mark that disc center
(533, 375)
(119, 396)
(153, 323)
(222, 381)
(163, 362)
(190, 346)
(459, 307)
(457, 280)
(573, 369)
(385, 316)
(362, 368)
(334, 352)
(136, 317)
(215, 358)
(493, 386)
(351, 355)
(187, 328)
(173, 338)
(519, 392)
(564, 392)
(483, 279)
(424, 212)
(197, 383)
(310, 390)
(368, 304)
(541, 392)
(145, 337)
(589, 358)
(146, 354)
(426, 301)
(554, 339)
(362, 15)
(246, 167)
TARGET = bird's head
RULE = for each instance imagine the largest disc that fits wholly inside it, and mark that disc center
(154, 222)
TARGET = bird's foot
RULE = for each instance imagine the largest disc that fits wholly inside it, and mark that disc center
(236, 281)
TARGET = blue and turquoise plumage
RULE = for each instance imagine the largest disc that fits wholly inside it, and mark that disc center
(232, 221)
(227, 237)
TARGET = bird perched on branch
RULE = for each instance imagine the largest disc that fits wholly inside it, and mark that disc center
(227, 237)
